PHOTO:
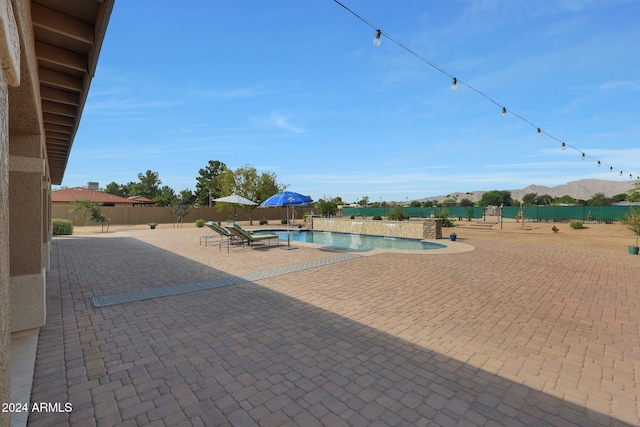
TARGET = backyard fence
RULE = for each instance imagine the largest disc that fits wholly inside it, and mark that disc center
(128, 215)
(534, 213)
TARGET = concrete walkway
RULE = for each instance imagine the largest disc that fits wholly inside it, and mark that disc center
(506, 334)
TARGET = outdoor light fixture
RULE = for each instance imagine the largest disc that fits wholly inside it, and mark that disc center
(504, 112)
(610, 168)
(620, 173)
(582, 156)
(376, 41)
(564, 146)
(454, 84)
(539, 133)
(598, 163)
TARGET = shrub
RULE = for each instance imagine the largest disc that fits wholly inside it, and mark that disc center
(396, 214)
(200, 223)
(555, 229)
(444, 214)
(377, 218)
(576, 224)
(283, 221)
(264, 221)
(353, 217)
(62, 227)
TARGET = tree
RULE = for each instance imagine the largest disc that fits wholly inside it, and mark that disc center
(466, 203)
(565, 200)
(327, 208)
(246, 182)
(363, 202)
(187, 197)
(116, 189)
(599, 199)
(633, 195)
(544, 200)
(94, 210)
(179, 209)
(208, 186)
(167, 195)
(529, 199)
(496, 198)
(149, 185)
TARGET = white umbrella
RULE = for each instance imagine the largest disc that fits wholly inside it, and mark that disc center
(235, 200)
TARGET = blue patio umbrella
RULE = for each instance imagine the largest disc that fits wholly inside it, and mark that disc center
(287, 198)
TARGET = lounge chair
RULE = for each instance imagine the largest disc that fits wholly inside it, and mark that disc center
(219, 231)
(246, 236)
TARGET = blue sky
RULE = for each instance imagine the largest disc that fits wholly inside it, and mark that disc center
(298, 88)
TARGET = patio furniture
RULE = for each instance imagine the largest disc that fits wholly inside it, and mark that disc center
(246, 236)
(219, 231)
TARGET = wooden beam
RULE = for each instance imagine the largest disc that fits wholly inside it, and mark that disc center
(57, 95)
(60, 80)
(59, 109)
(61, 57)
(62, 24)
(59, 120)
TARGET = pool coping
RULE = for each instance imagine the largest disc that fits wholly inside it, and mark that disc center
(450, 246)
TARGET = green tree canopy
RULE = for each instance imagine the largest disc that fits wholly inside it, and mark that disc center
(208, 184)
(327, 208)
(599, 199)
(496, 198)
(633, 195)
(148, 185)
(565, 200)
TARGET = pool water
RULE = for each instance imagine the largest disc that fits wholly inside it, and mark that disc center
(360, 242)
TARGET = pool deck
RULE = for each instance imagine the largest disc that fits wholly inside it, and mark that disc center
(483, 333)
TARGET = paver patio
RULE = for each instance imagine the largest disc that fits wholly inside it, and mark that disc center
(506, 334)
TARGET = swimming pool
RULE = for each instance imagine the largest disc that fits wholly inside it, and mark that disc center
(360, 242)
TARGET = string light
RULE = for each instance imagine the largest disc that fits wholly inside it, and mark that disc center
(376, 41)
(454, 85)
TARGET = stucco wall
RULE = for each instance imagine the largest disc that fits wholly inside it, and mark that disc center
(423, 229)
(9, 76)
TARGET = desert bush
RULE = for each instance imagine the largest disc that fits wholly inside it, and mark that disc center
(283, 221)
(555, 229)
(62, 227)
(396, 214)
(576, 224)
(200, 223)
(264, 221)
(377, 218)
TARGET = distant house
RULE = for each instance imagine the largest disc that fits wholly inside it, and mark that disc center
(142, 201)
(69, 195)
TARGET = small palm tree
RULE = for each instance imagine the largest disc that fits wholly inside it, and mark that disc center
(632, 221)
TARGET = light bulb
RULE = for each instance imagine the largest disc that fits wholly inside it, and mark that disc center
(454, 84)
(376, 41)
(539, 133)
(504, 112)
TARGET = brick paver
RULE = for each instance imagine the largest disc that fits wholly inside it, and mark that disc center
(506, 334)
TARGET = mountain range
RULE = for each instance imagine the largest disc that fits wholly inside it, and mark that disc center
(582, 189)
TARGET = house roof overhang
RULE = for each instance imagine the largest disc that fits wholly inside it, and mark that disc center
(67, 36)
